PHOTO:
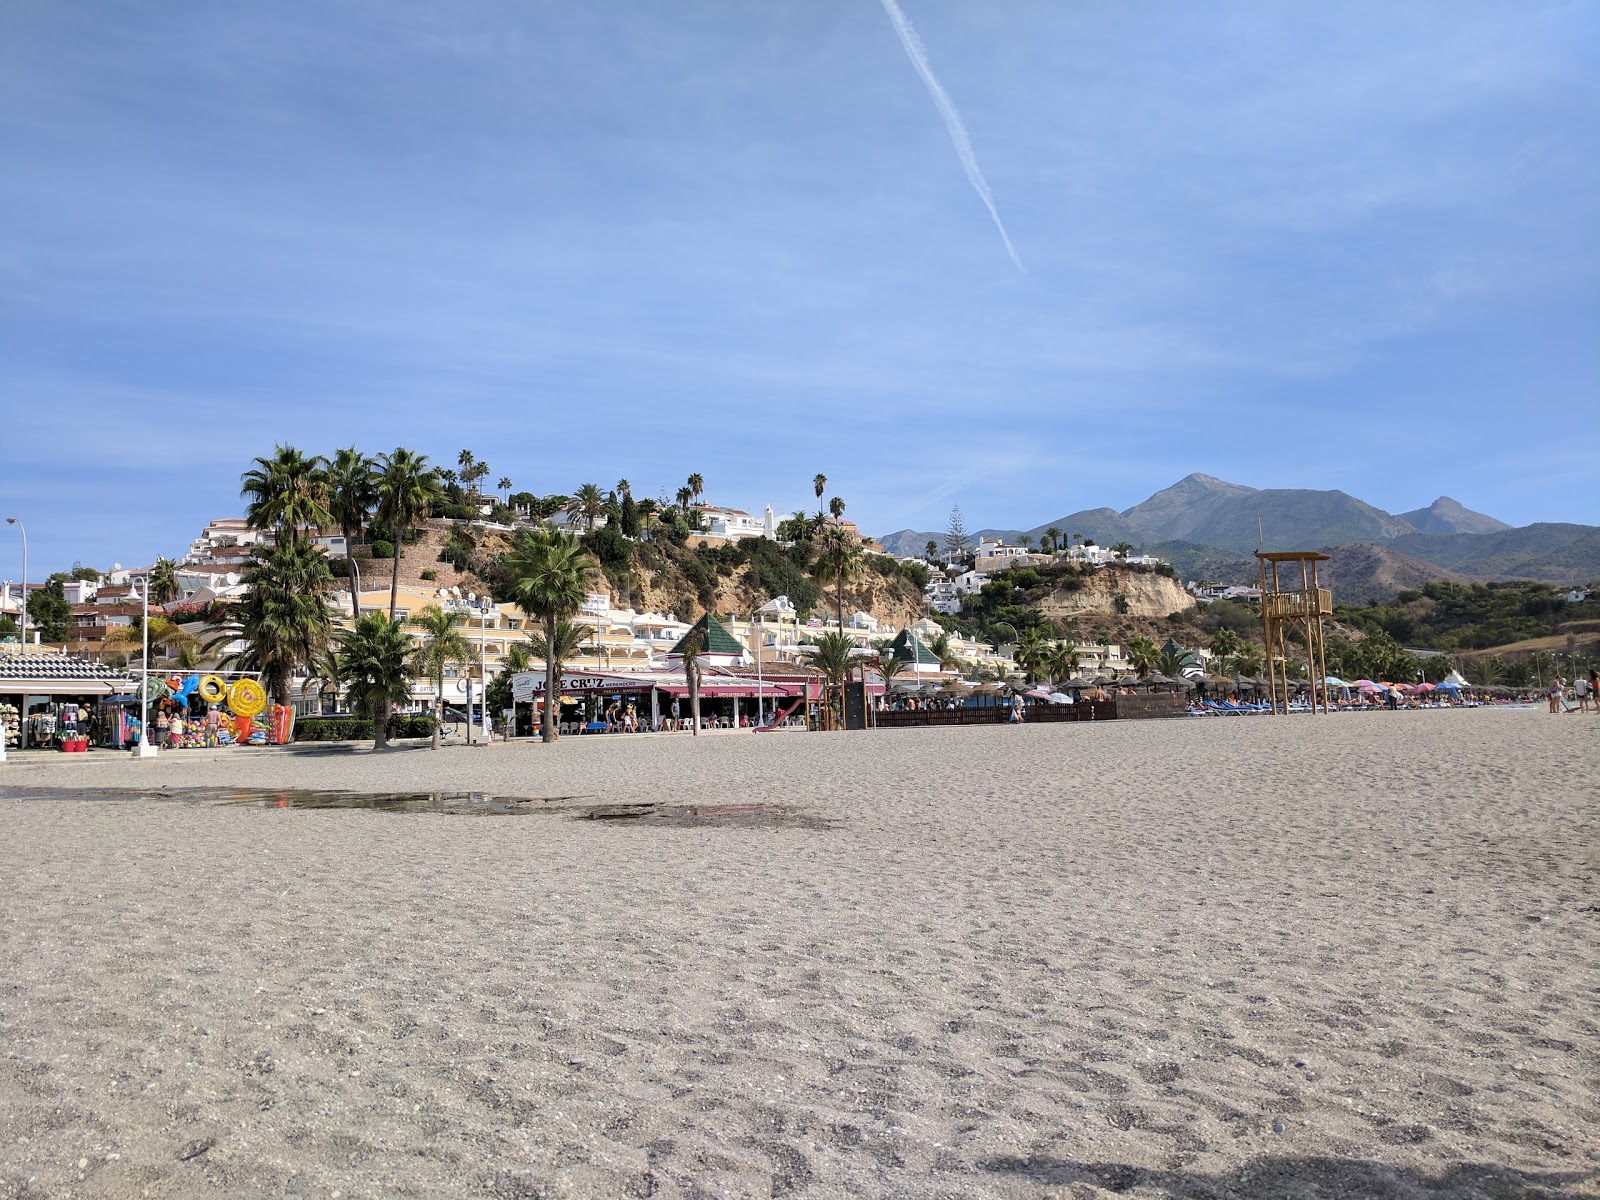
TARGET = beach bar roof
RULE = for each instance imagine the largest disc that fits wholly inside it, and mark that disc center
(59, 675)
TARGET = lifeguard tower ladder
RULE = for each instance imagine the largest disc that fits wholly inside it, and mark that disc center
(1287, 609)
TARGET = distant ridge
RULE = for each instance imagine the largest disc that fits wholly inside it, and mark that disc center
(1207, 527)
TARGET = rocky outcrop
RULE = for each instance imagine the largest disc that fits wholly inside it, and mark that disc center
(1097, 594)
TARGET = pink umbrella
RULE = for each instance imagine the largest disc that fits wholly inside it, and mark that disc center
(1424, 687)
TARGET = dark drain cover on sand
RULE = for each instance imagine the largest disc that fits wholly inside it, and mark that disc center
(765, 816)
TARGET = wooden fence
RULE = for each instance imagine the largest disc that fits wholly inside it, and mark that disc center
(997, 714)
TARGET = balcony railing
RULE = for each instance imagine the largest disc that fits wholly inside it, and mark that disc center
(1310, 602)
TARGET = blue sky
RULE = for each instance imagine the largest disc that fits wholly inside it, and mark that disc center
(1345, 246)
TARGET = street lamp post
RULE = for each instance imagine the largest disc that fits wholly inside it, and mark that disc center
(147, 748)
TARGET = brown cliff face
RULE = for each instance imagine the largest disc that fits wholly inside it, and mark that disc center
(1148, 595)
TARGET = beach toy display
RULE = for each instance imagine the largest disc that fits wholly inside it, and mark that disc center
(246, 698)
(211, 689)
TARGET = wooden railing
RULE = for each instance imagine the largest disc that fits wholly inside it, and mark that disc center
(1310, 602)
(996, 714)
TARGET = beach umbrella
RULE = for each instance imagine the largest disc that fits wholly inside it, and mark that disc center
(1332, 681)
(1038, 693)
(1424, 687)
(1060, 698)
(1127, 681)
(1449, 685)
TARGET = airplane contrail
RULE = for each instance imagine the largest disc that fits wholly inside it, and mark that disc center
(952, 120)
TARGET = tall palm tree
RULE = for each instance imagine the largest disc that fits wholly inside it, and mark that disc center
(284, 619)
(624, 488)
(590, 501)
(551, 576)
(836, 508)
(1122, 550)
(941, 649)
(690, 649)
(407, 488)
(504, 487)
(287, 492)
(164, 581)
(353, 492)
(1248, 659)
(931, 550)
(571, 637)
(832, 656)
(1054, 534)
(819, 484)
(519, 657)
(165, 634)
(839, 563)
(697, 486)
(376, 667)
(1025, 540)
(442, 646)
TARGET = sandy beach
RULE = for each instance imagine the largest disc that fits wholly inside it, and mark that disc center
(1345, 956)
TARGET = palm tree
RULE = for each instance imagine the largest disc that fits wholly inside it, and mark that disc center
(284, 619)
(407, 488)
(165, 634)
(1077, 537)
(940, 649)
(930, 550)
(1122, 550)
(353, 492)
(590, 501)
(288, 492)
(442, 646)
(819, 484)
(624, 488)
(1174, 662)
(571, 637)
(519, 658)
(1033, 651)
(326, 672)
(888, 666)
(832, 656)
(1224, 644)
(689, 649)
(840, 562)
(163, 581)
(836, 508)
(1063, 661)
(697, 486)
(1248, 659)
(376, 667)
(551, 577)
(504, 486)
(1054, 534)
(1142, 655)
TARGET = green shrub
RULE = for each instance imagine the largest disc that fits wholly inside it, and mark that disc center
(332, 729)
(382, 549)
(430, 574)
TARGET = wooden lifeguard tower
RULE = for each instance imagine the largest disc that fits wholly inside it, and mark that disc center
(1289, 609)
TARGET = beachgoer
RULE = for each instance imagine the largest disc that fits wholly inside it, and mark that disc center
(1594, 688)
(1580, 690)
(175, 732)
(1558, 688)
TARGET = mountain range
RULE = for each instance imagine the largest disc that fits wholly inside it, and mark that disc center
(1207, 528)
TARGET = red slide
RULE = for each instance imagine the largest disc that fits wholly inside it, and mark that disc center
(778, 717)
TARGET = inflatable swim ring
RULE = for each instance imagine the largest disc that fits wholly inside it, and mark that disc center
(246, 698)
(212, 689)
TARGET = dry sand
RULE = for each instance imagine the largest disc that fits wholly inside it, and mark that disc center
(1347, 956)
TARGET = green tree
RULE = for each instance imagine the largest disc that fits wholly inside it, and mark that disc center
(352, 495)
(693, 643)
(839, 563)
(1053, 537)
(283, 620)
(504, 488)
(1033, 651)
(1248, 659)
(832, 655)
(407, 488)
(590, 501)
(1174, 663)
(376, 666)
(164, 581)
(836, 508)
(1063, 661)
(551, 577)
(819, 484)
(930, 550)
(1142, 655)
(697, 486)
(1224, 643)
(956, 542)
(441, 647)
(287, 492)
(1122, 550)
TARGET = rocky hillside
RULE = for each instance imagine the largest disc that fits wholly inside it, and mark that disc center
(1115, 593)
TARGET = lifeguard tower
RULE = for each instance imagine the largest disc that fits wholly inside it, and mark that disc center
(1288, 608)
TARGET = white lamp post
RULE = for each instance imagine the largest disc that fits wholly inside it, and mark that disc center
(147, 748)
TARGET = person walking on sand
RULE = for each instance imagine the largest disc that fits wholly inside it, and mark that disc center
(1558, 689)
(1582, 691)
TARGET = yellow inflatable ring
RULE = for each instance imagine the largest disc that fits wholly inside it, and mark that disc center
(212, 689)
(246, 698)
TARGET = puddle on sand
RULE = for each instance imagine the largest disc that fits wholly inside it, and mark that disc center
(482, 804)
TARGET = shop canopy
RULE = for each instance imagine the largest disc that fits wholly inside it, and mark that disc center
(59, 675)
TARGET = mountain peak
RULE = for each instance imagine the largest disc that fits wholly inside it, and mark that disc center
(1445, 515)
